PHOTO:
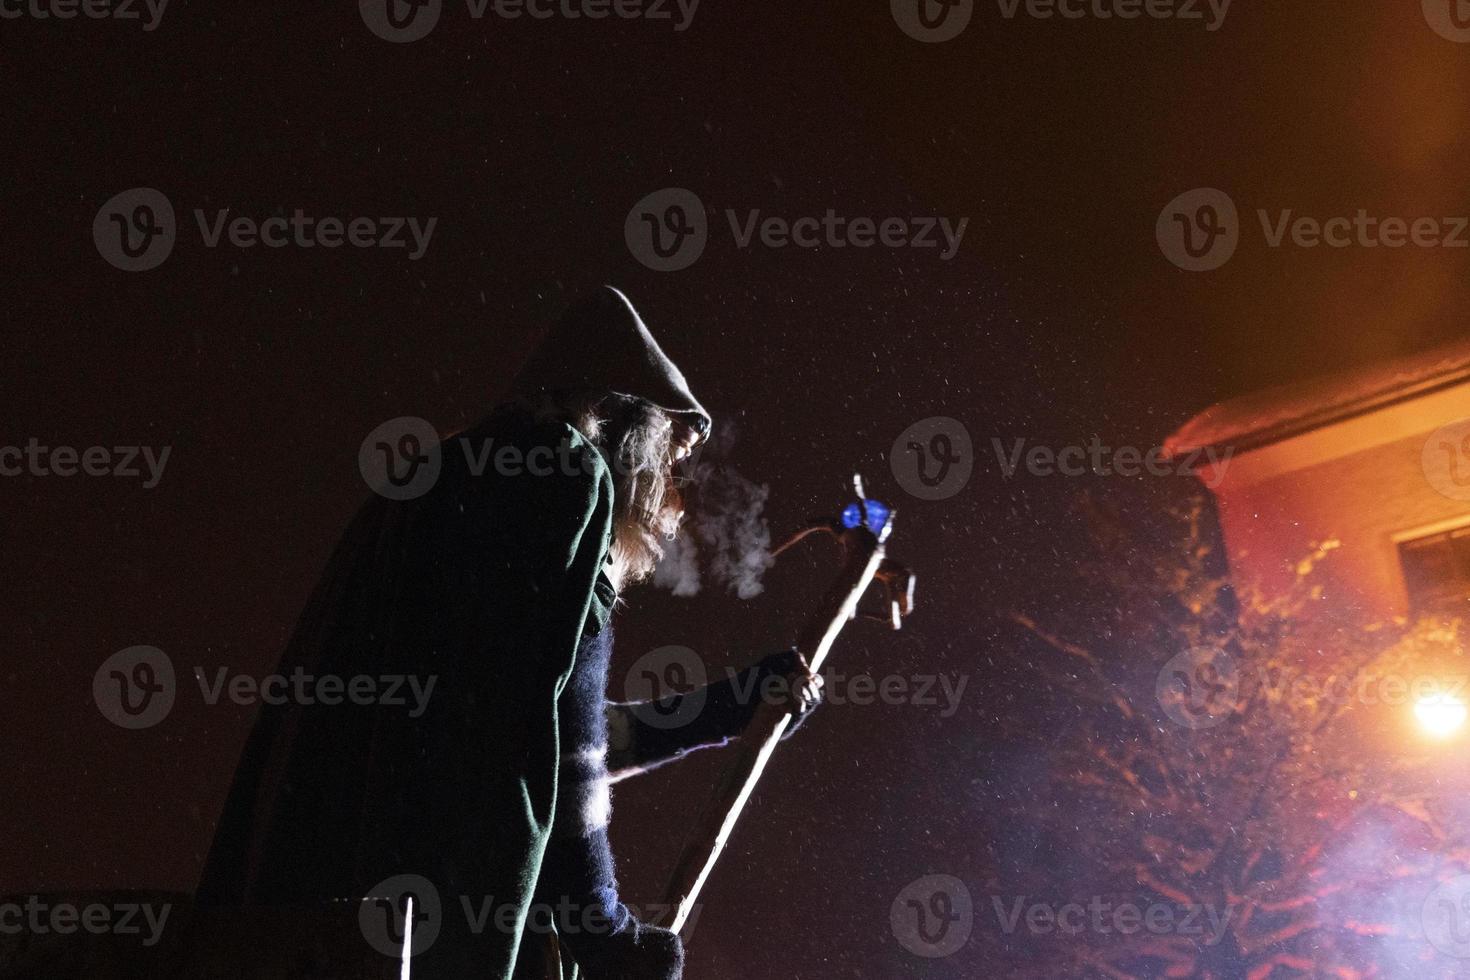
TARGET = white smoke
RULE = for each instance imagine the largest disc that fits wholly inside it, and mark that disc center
(1374, 881)
(678, 570)
(726, 533)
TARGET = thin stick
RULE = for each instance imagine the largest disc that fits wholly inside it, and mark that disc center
(864, 552)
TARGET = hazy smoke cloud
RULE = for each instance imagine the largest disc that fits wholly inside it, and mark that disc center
(725, 537)
(1388, 910)
(678, 570)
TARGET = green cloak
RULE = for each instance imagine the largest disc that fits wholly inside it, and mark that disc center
(485, 584)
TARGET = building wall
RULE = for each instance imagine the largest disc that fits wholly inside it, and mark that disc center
(1363, 482)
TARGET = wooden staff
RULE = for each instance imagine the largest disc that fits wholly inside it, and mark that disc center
(862, 556)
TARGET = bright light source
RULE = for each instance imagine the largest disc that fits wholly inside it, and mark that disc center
(1441, 715)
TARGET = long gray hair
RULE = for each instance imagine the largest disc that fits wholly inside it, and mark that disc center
(636, 439)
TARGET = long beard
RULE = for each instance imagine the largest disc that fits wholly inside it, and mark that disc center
(636, 439)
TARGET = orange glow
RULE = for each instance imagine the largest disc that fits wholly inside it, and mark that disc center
(1441, 715)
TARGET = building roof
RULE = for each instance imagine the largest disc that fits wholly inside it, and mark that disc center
(1264, 417)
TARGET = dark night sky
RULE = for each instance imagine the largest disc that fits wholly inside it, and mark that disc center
(263, 370)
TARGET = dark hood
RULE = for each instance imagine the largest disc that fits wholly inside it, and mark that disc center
(602, 344)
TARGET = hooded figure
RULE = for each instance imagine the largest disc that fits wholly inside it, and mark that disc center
(614, 352)
(486, 800)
